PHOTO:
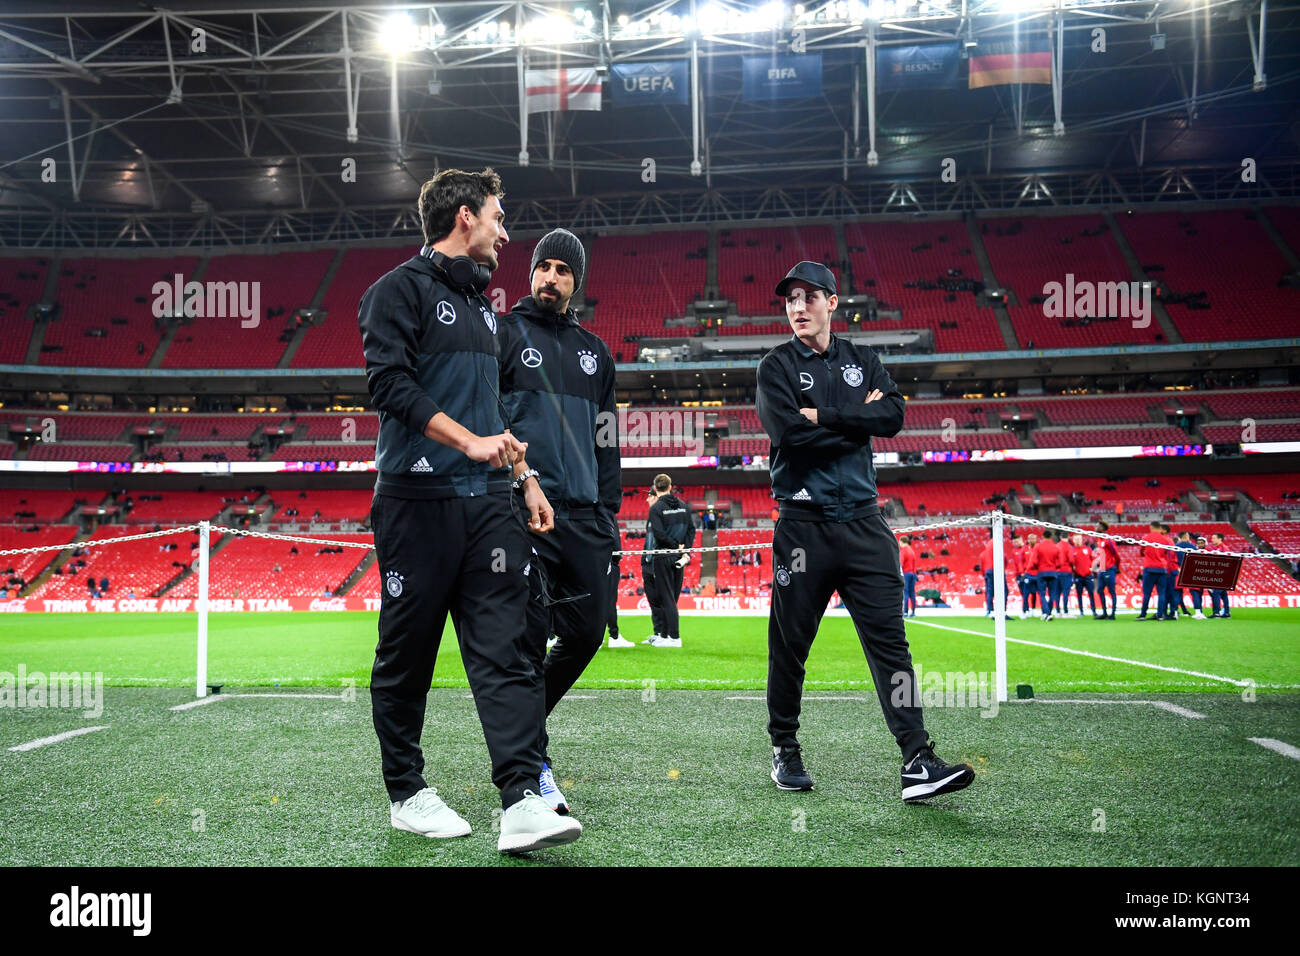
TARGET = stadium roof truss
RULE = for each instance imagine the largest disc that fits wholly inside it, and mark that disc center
(235, 124)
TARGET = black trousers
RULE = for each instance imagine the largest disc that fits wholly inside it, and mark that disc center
(615, 577)
(572, 559)
(663, 585)
(466, 557)
(811, 560)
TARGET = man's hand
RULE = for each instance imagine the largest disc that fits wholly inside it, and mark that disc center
(684, 560)
(811, 413)
(497, 450)
(541, 514)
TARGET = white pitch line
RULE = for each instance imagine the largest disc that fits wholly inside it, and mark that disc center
(806, 699)
(1277, 746)
(210, 699)
(213, 698)
(1100, 657)
(1162, 704)
(46, 741)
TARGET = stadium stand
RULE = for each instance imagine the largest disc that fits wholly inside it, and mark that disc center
(74, 451)
(18, 570)
(335, 504)
(106, 316)
(139, 567)
(934, 498)
(914, 441)
(1100, 495)
(746, 259)
(1226, 255)
(263, 568)
(889, 259)
(336, 341)
(173, 507)
(1029, 253)
(1266, 490)
(23, 506)
(1069, 437)
(636, 282)
(287, 281)
(21, 282)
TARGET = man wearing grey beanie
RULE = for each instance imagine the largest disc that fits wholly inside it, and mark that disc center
(557, 386)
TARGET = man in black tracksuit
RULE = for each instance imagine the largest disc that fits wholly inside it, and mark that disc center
(669, 527)
(557, 384)
(448, 532)
(821, 399)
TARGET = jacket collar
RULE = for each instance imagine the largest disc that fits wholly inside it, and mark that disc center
(807, 351)
(530, 308)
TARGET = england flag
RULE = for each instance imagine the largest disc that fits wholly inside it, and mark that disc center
(562, 89)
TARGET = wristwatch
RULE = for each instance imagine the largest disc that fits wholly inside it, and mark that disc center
(519, 482)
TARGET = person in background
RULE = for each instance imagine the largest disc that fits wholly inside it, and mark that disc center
(1154, 573)
(1107, 570)
(1219, 597)
(1171, 574)
(1042, 566)
(907, 560)
(1184, 545)
(1084, 560)
(986, 565)
(1064, 572)
(611, 619)
(1028, 586)
(669, 527)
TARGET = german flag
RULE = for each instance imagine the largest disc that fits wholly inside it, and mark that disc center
(1008, 61)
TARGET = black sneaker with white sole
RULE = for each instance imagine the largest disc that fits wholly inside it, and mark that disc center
(925, 776)
(788, 772)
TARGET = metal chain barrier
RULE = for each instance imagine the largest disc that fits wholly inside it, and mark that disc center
(102, 541)
(1123, 539)
(245, 533)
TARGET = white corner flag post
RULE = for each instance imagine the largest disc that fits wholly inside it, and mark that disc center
(999, 609)
(201, 690)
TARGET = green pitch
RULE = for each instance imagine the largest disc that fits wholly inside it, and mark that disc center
(662, 752)
(331, 648)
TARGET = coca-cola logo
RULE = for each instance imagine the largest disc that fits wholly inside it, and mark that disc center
(16, 606)
(328, 604)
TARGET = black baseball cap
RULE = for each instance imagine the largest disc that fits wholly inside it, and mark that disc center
(814, 273)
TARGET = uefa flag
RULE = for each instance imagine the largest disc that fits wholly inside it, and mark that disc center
(563, 89)
(998, 62)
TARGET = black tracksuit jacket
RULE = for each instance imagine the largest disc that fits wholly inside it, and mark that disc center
(429, 348)
(825, 471)
(557, 384)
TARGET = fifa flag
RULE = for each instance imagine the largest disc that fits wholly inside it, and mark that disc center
(563, 89)
(999, 62)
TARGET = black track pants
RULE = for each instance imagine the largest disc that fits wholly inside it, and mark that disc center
(663, 585)
(573, 559)
(466, 557)
(811, 560)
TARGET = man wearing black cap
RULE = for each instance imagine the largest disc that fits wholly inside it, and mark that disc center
(821, 399)
(557, 384)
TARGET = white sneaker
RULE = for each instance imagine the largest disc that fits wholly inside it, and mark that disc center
(668, 642)
(620, 642)
(1198, 616)
(550, 792)
(427, 815)
(531, 824)
(552, 642)
(651, 640)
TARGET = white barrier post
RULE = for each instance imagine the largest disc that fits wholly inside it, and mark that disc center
(999, 609)
(201, 690)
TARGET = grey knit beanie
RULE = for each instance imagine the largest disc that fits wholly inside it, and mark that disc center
(565, 246)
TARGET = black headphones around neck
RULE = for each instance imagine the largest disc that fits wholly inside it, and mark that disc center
(462, 271)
